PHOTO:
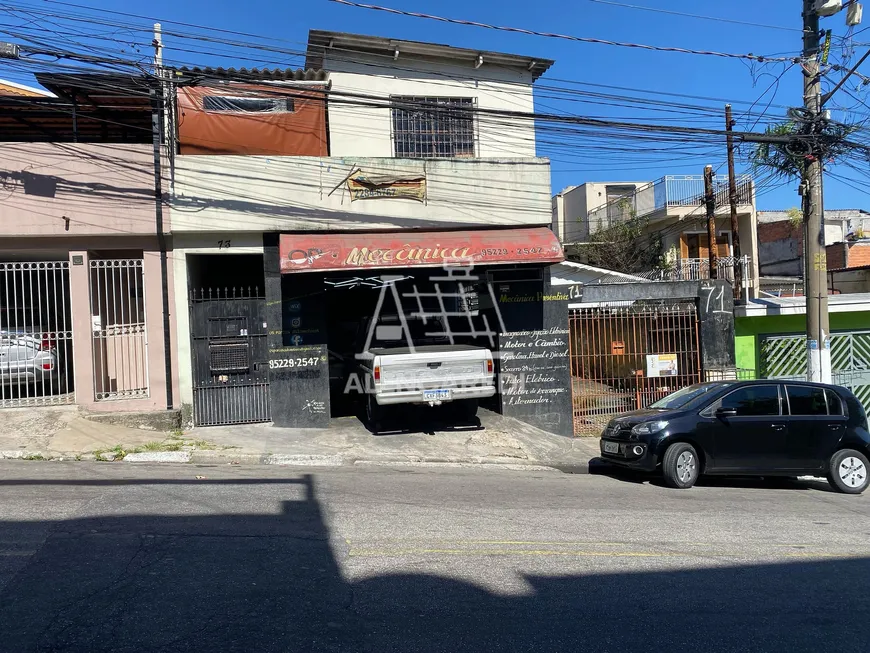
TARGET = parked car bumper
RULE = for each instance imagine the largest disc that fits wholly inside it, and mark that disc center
(630, 453)
(30, 376)
(416, 396)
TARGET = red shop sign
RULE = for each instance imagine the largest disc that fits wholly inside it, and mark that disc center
(306, 252)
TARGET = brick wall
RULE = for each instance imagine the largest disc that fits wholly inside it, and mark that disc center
(770, 232)
(859, 255)
(836, 254)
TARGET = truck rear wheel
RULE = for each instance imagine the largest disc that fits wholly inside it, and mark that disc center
(466, 408)
(373, 414)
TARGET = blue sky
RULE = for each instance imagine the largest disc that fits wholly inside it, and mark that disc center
(691, 75)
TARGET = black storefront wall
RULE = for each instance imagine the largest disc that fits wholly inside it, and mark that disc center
(533, 362)
(533, 316)
(297, 342)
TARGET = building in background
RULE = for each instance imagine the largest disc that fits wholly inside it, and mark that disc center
(781, 240)
(670, 209)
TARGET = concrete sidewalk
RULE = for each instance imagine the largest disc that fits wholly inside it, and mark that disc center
(64, 433)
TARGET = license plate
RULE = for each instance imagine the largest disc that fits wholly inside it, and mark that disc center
(611, 447)
(436, 395)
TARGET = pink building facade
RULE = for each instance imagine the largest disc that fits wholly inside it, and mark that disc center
(81, 279)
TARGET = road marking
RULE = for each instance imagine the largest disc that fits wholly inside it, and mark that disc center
(16, 553)
(360, 553)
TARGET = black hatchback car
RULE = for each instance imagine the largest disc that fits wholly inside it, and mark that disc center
(761, 428)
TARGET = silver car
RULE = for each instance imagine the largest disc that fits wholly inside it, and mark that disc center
(28, 364)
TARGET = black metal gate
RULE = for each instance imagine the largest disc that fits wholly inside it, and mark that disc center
(230, 356)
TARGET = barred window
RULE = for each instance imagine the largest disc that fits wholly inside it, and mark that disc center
(433, 127)
(247, 104)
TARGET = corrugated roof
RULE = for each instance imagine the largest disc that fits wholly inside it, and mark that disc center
(319, 41)
(260, 74)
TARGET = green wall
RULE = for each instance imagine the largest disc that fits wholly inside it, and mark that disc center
(747, 330)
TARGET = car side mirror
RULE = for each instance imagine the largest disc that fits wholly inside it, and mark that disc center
(726, 412)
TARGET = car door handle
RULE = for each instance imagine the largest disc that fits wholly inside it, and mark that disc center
(777, 427)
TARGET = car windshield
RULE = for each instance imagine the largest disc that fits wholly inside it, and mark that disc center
(684, 396)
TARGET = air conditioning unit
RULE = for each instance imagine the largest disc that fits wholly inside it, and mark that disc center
(854, 14)
(828, 7)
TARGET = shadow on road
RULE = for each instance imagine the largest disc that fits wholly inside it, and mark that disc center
(267, 582)
(603, 468)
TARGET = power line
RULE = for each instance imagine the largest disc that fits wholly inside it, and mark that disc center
(680, 13)
(581, 39)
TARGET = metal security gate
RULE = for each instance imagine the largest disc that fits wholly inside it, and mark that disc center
(230, 356)
(118, 328)
(625, 357)
(36, 354)
(785, 357)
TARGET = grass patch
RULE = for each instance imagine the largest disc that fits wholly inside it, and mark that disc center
(34, 456)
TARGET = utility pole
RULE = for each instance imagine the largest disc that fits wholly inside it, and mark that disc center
(710, 203)
(157, 118)
(732, 200)
(815, 264)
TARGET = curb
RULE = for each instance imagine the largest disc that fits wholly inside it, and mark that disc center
(210, 457)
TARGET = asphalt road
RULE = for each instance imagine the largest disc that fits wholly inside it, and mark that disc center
(123, 557)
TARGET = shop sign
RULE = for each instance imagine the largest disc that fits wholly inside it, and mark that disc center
(364, 187)
(304, 252)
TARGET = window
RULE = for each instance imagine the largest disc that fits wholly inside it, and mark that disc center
(684, 396)
(621, 203)
(754, 400)
(806, 400)
(247, 104)
(433, 127)
(835, 404)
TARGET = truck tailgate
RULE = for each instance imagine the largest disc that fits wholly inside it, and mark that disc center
(433, 369)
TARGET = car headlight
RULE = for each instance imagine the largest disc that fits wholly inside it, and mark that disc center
(647, 428)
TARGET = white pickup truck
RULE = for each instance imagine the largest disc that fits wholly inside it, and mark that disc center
(424, 369)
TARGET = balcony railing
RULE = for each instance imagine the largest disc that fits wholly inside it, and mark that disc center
(695, 269)
(672, 191)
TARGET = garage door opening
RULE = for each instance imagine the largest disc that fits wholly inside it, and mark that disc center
(36, 344)
(431, 306)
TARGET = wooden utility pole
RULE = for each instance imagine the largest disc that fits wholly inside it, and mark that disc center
(732, 200)
(815, 265)
(710, 203)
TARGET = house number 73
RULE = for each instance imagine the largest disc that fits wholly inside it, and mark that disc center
(223, 244)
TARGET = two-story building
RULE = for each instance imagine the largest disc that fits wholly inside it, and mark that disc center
(671, 208)
(306, 201)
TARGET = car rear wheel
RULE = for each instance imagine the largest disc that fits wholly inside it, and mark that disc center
(847, 471)
(681, 466)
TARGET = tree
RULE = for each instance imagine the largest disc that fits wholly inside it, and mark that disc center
(788, 160)
(626, 246)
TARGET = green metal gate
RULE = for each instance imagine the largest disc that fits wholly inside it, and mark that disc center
(785, 357)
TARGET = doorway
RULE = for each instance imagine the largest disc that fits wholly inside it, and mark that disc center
(229, 346)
